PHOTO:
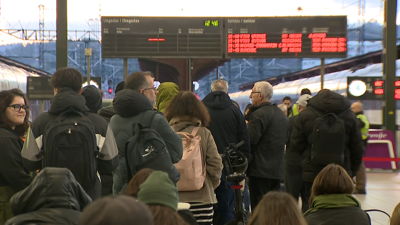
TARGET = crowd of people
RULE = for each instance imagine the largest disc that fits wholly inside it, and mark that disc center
(91, 170)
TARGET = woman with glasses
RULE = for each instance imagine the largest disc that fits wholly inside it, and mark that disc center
(14, 115)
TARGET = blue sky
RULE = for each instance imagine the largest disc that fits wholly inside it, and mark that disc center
(17, 14)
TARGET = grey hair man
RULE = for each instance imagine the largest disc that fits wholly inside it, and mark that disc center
(268, 134)
(293, 173)
(143, 82)
(227, 126)
(220, 85)
(132, 106)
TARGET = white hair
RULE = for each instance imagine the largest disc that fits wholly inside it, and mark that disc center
(220, 85)
(265, 88)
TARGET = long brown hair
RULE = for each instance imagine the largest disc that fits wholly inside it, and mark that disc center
(277, 208)
(6, 98)
(139, 178)
(395, 220)
(185, 103)
(165, 215)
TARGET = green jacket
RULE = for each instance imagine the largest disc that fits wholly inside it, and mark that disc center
(166, 92)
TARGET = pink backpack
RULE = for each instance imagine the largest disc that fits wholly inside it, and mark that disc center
(191, 166)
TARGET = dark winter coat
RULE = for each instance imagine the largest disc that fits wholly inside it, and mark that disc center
(54, 197)
(131, 106)
(93, 98)
(13, 176)
(268, 134)
(12, 172)
(336, 209)
(302, 135)
(94, 103)
(227, 122)
(293, 160)
(107, 112)
(64, 100)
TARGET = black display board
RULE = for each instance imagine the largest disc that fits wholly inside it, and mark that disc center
(286, 37)
(219, 37)
(147, 37)
(39, 88)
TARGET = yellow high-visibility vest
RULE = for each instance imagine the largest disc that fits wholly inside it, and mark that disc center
(364, 130)
(295, 110)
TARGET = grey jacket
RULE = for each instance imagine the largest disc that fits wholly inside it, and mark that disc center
(131, 106)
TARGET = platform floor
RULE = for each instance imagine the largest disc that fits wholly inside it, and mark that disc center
(383, 192)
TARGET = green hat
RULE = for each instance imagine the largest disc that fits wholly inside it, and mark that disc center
(158, 189)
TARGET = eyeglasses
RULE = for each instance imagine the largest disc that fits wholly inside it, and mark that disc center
(18, 108)
(253, 92)
(152, 88)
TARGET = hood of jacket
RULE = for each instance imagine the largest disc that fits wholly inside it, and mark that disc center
(179, 123)
(217, 100)
(166, 92)
(66, 99)
(93, 98)
(107, 112)
(333, 201)
(128, 103)
(329, 101)
(51, 188)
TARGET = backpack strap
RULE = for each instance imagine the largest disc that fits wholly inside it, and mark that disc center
(194, 131)
(316, 111)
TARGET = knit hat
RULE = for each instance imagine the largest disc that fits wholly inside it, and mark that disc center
(158, 189)
(116, 209)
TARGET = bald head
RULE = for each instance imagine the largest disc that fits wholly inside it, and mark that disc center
(357, 107)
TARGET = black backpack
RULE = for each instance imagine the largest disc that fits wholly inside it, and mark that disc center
(147, 149)
(69, 141)
(329, 138)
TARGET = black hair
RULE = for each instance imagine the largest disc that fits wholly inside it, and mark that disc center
(286, 98)
(305, 91)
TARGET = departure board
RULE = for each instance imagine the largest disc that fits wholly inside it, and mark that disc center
(286, 37)
(162, 37)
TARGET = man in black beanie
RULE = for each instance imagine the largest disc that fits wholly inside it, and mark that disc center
(108, 112)
(116, 209)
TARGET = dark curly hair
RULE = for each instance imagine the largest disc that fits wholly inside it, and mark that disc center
(6, 97)
(186, 103)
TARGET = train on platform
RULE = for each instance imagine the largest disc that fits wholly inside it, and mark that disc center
(336, 81)
(14, 74)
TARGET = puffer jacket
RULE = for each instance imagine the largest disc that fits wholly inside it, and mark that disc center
(166, 92)
(209, 153)
(302, 135)
(54, 197)
(131, 106)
